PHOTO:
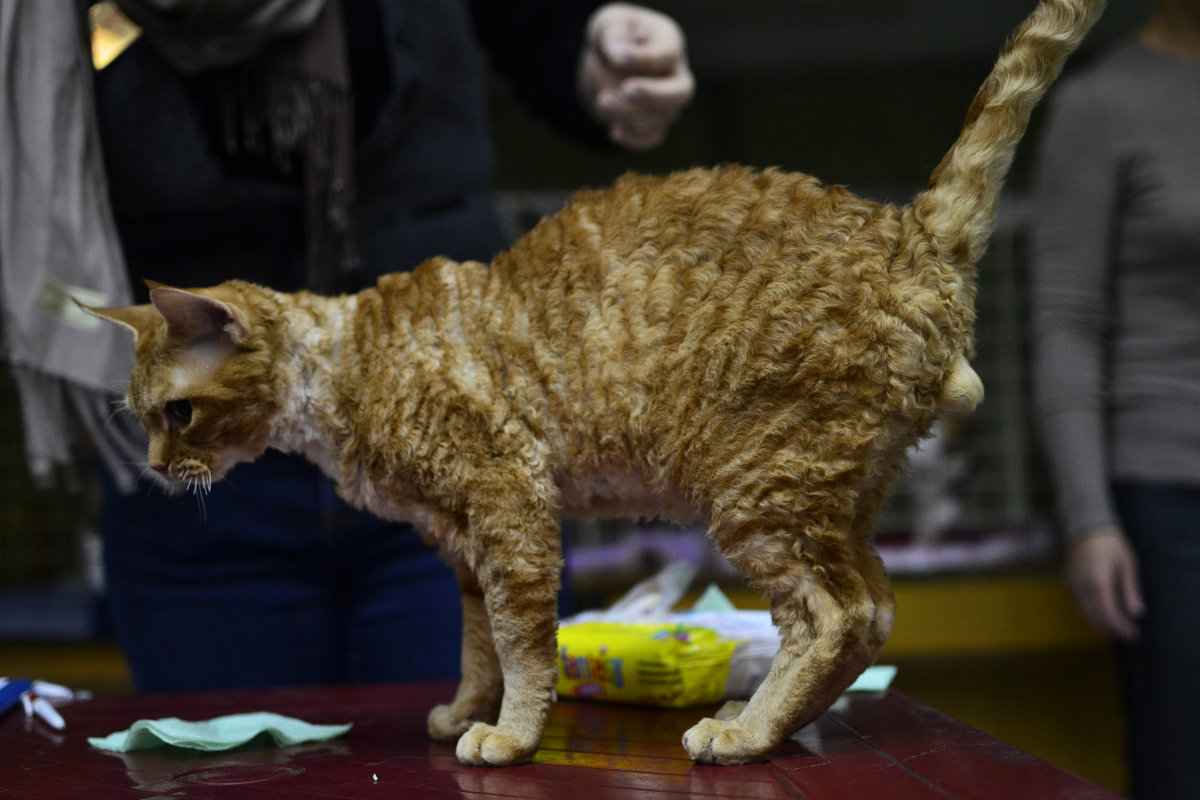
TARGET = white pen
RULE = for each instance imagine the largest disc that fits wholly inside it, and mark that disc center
(40, 706)
(53, 691)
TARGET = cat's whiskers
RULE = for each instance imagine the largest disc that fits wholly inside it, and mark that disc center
(203, 487)
(196, 477)
(199, 495)
(117, 411)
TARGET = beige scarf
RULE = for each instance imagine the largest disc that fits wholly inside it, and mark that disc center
(286, 90)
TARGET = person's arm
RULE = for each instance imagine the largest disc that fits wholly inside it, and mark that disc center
(1102, 571)
(1074, 222)
(633, 73)
(599, 72)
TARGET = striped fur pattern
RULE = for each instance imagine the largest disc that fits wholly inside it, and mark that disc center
(749, 348)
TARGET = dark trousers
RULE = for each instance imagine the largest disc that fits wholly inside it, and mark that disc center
(274, 582)
(1161, 672)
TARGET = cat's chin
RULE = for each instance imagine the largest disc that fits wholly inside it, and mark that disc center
(194, 474)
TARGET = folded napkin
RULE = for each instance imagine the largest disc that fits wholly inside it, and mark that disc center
(221, 733)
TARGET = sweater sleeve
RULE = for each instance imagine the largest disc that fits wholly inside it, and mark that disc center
(536, 45)
(1073, 235)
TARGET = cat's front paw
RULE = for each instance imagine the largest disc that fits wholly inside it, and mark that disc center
(486, 745)
(712, 741)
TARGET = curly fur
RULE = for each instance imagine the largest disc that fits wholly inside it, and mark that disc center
(750, 348)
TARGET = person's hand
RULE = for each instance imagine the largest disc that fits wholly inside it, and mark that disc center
(1102, 573)
(633, 73)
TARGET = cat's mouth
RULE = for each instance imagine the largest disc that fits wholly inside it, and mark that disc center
(194, 475)
(199, 476)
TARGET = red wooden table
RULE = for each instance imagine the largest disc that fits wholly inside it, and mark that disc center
(873, 747)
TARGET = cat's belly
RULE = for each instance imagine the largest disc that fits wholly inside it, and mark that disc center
(611, 491)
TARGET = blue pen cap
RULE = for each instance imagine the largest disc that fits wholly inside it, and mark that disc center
(11, 691)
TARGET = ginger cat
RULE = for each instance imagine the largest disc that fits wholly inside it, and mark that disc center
(750, 348)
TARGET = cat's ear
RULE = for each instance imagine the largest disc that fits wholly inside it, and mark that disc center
(139, 319)
(190, 315)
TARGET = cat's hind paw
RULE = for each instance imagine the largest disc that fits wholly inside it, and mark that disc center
(445, 725)
(730, 711)
(486, 745)
(713, 741)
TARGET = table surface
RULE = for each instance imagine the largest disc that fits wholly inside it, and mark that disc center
(878, 746)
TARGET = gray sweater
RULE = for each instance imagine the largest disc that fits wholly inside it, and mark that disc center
(1116, 288)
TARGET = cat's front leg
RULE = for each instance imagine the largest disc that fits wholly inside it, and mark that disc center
(518, 562)
(482, 685)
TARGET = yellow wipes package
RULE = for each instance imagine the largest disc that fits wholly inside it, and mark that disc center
(663, 664)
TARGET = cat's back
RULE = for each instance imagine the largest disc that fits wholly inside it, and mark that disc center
(697, 276)
(657, 262)
(692, 217)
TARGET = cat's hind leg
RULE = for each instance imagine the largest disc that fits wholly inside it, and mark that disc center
(833, 610)
(482, 685)
(879, 586)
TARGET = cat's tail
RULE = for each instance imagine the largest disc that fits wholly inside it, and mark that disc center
(958, 208)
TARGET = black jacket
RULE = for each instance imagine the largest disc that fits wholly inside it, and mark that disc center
(191, 214)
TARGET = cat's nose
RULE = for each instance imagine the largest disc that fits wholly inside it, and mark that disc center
(162, 469)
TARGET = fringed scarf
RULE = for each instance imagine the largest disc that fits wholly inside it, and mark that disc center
(285, 95)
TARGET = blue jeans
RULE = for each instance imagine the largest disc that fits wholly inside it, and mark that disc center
(275, 582)
(1161, 672)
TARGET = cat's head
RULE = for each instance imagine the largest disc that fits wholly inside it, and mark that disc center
(205, 385)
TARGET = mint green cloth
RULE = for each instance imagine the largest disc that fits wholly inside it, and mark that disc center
(874, 679)
(221, 733)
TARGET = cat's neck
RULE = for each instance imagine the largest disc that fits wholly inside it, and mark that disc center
(313, 330)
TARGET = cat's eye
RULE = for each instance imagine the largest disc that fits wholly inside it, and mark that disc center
(179, 413)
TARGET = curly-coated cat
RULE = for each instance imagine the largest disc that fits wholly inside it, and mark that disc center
(750, 348)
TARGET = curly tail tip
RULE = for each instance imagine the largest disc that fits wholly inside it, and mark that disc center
(958, 207)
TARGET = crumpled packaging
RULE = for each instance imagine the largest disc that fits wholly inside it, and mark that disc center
(642, 652)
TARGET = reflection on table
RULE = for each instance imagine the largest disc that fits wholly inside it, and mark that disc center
(880, 747)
